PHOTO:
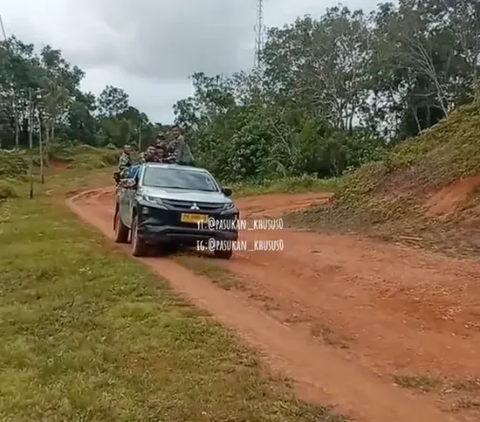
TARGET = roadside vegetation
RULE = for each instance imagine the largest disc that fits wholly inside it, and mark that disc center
(88, 334)
(425, 192)
(289, 185)
(334, 93)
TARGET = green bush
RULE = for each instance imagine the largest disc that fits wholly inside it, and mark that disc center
(7, 190)
(13, 165)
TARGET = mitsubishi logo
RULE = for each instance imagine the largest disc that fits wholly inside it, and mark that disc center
(194, 206)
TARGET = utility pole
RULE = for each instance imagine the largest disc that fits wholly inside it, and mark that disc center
(30, 139)
(40, 144)
(259, 35)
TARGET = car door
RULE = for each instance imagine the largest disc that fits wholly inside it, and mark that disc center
(129, 198)
(122, 204)
(125, 201)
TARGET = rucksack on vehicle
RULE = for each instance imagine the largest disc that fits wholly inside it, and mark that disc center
(116, 177)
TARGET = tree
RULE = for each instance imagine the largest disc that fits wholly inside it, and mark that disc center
(62, 111)
(333, 93)
(112, 102)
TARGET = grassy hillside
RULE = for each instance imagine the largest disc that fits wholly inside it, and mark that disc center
(15, 165)
(425, 191)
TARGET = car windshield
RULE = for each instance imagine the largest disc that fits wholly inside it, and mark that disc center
(171, 178)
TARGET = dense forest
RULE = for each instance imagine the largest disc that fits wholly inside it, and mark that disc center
(331, 94)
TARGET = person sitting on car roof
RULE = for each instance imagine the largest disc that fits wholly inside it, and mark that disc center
(177, 149)
(150, 155)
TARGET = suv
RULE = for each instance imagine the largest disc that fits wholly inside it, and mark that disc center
(171, 204)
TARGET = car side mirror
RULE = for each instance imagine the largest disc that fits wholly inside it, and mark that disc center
(227, 191)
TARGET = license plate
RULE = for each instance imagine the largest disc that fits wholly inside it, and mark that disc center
(193, 218)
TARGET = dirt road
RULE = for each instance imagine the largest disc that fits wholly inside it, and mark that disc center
(341, 315)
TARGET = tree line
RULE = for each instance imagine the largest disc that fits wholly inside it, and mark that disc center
(40, 94)
(335, 92)
(331, 94)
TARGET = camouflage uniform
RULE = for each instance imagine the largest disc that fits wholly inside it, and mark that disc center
(172, 150)
(160, 147)
(150, 155)
(183, 154)
(178, 151)
(124, 164)
(160, 151)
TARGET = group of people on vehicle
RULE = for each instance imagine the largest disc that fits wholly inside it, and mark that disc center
(169, 148)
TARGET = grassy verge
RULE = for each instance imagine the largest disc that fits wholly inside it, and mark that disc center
(391, 199)
(90, 335)
(287, 185)
(205, 267)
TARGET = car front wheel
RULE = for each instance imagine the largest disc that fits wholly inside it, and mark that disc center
(226, 253)
(121, 230)
(139, 248)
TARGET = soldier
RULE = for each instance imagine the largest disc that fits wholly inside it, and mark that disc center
(179, 148)
(150, 155)
(125, 162)
(171, 148)
(161, 147)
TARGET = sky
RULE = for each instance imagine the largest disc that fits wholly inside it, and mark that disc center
(149, 48)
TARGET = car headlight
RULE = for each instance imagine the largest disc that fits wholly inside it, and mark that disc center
(228, 206)
(152, 200)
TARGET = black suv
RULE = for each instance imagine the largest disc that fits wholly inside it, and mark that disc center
(171, 204)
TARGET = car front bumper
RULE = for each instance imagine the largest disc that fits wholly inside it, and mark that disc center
(162, 226)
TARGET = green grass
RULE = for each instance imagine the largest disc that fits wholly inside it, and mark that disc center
(302, 184)
(15, 164)
(417, 382)
(387, 198)
(89, 335)
(205, 266)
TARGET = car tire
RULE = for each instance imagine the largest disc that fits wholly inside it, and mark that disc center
(139, 248)
(224, 254)
(169, 248)
(121, 230)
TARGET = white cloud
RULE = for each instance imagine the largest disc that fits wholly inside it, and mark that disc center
(150, 47)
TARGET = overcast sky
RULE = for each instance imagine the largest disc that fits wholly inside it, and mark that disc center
(150, 47)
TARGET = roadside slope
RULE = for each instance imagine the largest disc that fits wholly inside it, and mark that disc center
(426, 190)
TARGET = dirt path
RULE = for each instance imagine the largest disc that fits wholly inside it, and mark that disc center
(378, 309)
(422, 309)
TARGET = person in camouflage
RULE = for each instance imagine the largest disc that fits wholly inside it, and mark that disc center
(177, 149)
(150, 155)
(161, 147)
(125, 162)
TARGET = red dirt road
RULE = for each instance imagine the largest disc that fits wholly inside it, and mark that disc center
(340, 315)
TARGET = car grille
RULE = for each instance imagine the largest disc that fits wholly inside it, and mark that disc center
(207, 207)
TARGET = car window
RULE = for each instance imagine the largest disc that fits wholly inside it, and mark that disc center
(179, 179)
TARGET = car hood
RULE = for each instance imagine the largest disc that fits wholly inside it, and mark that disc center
(185, 195)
